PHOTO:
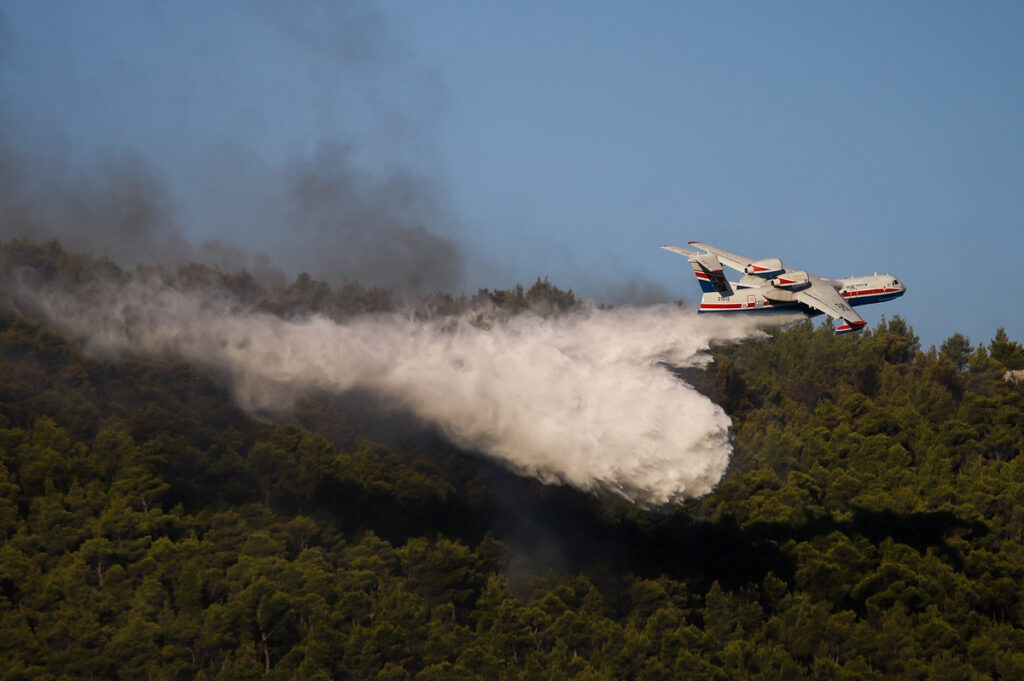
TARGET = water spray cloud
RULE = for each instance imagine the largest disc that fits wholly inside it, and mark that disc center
(580, 398)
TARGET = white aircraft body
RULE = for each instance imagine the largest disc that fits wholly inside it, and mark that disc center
(767, 285)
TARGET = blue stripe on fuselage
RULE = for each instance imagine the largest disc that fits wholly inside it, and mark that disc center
(854, 301)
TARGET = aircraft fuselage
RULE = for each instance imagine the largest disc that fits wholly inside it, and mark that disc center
(766, 285)
(751, 294)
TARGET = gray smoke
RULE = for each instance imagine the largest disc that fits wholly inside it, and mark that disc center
(636, 290)
(330, 219)
(206, 188)
(118, 209)
(580, 399)
(375, 232)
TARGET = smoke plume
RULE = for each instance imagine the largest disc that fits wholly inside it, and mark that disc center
(321, 164)
(334, 220)
(580, 398)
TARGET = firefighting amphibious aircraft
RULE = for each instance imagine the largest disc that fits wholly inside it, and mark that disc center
(767, 285)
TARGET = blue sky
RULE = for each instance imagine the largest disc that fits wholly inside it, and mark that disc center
(569, 139)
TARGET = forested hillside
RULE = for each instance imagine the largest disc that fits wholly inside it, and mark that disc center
(871, 525)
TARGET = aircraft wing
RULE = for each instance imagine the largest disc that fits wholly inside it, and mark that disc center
(733, 260)
(822, 296)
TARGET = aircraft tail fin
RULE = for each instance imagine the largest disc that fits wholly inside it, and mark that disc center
(708, 270)
(710, 274)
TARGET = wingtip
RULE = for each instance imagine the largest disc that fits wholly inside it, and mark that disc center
(849, 327)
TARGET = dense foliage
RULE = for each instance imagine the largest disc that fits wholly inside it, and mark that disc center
(871, 525)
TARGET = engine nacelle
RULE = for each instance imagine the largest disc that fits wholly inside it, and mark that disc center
(768, 267)
(791, 281)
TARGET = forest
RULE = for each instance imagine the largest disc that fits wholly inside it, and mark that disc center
(870, 526)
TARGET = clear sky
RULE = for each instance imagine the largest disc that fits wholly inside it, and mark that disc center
(565, 139)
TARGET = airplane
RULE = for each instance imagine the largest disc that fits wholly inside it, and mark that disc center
(767, 285)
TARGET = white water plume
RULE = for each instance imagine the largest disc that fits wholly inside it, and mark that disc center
(579, 398)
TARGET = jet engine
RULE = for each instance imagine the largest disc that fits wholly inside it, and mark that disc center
(791, 281)
(768, 267)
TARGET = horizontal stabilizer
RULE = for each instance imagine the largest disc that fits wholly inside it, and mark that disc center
(738, 262)
(682, 251)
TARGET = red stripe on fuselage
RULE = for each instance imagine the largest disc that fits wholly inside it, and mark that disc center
(869, 292)
(736, 306)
